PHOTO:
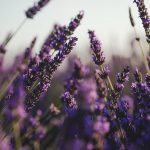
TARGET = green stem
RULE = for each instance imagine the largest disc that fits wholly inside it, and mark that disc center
(37, 145)
(112, 88)
(17, 135)
(142, 51)
(144, 58)
(35, 84)
(16, 31)
(108, 78)
(6, 86)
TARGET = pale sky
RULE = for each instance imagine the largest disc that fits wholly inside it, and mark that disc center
(109, 18)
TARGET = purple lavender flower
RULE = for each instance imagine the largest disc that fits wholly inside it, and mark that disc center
(69, 100)
(47, 68)
(14, 101)
(101, 125)
(97, 52)
(80, 71)
(141, 112)
(51, 42)
(130, 102)
(60, 35)
(32, 11)
(121, 78)
(59, 40)
(124, 76)
(144, 17)
(88, 94)
(75, 23)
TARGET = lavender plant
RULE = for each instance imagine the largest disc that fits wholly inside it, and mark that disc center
(92, 113)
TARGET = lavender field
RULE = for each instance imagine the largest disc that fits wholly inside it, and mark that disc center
(53, 100)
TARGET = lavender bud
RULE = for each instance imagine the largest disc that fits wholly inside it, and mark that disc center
(75, 22)
(69, 100)
(124, 76)
(138, 76)
(144, 17)
(98, 56)
(32, 11)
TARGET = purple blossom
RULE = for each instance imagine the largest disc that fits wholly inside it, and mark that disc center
(47, 67)
(44, 70)
(144, 17)
(97, 52)
(121, 78)
(32, 11)
(69, 100)
(88, 94)
(101, 125)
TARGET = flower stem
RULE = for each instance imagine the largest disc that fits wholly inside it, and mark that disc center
(36, 145)
(35, 84)
(108, 78)
(17, 135)
(142, 50)
(16, 31)
(4, 88)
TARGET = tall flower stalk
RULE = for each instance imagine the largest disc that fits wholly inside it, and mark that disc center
(139, 42)
(144, 17)
(98, 56)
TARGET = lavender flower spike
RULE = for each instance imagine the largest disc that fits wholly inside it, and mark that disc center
(47, 67)
(144, 17)
(32, 11)
(98, 56)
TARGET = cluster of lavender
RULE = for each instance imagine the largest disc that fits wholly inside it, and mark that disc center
(38, 77)
(93, 113)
